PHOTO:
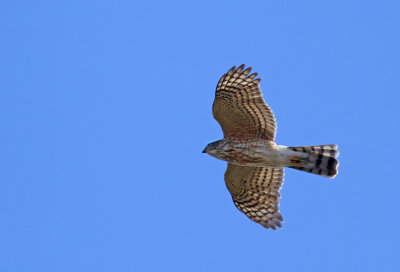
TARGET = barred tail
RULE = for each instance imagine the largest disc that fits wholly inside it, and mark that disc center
(319, 159)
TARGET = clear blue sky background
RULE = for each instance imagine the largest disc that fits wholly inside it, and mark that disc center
(105, 108)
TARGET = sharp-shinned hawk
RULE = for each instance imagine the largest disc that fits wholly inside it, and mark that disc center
(255, 170)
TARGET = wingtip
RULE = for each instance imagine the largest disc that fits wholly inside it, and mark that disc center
(230, 72)
(247, 71)
(240, 69)
(258, 80)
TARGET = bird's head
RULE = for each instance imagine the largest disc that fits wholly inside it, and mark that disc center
(211, 148)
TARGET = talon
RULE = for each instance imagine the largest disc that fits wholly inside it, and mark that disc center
(297, 160)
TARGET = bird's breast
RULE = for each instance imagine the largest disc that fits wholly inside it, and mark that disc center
(250, 153)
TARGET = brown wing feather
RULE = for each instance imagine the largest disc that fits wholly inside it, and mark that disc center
(255, 192)
(240, 108)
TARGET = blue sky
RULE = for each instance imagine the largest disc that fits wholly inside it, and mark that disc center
(105, 108)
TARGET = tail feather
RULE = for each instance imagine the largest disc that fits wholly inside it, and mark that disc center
(319, 159)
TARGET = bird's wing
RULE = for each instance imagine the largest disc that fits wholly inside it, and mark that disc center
(255, 192)
(240, 108)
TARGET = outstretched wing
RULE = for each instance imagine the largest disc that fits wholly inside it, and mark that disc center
(255, 192)
(240, 108)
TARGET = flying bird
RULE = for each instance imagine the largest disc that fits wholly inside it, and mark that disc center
(255, 170)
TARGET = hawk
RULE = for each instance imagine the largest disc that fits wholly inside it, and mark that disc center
(256, 163)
